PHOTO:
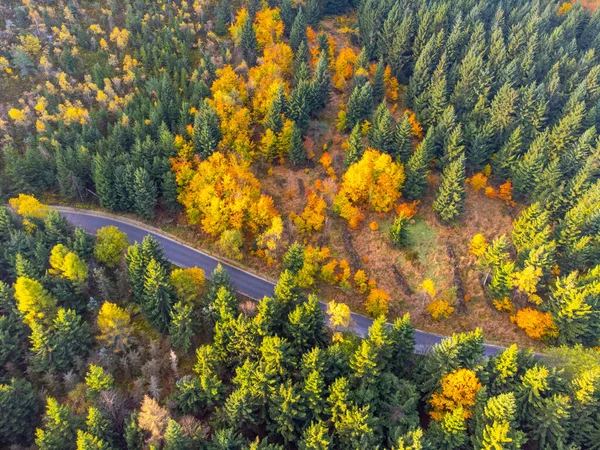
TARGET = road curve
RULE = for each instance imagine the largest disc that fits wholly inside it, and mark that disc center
(246, 283)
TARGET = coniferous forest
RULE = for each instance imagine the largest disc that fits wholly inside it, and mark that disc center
(430, 164)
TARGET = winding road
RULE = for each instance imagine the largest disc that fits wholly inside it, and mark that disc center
(246, 283)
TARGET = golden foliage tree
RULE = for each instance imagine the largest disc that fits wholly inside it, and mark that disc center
(458, 390)
(374, 181)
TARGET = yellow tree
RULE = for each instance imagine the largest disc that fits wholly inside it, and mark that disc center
(67, 264)
(111, 243)
(313, 216)
(268, 27)
(458, 390)
(29, 206)
(189, 284)
(374, 181)
(114, 324)
(35, 302)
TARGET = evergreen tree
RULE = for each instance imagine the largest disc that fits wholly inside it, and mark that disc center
(298, 32)
(359, 105)
(528, 169)
(83, 244)
(248, 43)
(403, 140)
(315, 437)
(207, 131)
(402, 346)
(322, 80)
(59, 427)
(287, 14)
(19, 407)
(450, 199)
(305, 325)
(398, 231)
(293, 260)
(313, 12)
(219, 279)
(157, 297)
(134, 437)
(175, 437)
(182, 326)
(297, 153)
(379, 82)
(508, 154)
(382, 135)
(417, 169)
(354, 147)
(145, 198)
(278, 107)
(286, 412)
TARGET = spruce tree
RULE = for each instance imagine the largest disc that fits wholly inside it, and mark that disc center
(293, 260)
(403, 140)
(145, 198)
(136, 269)
(299, 104)
(287, 14)
(134, 436)
(58, 431)
(322, 80)
(382, 135)
(417, 169)
(315, 437)
(508, 154)
(298, 32)
(355, 147)
(450, 199)
(248, 43)
(297, 153)
(182, 326)
(379, 82)
(359, 105)
(175, 438)
(313, 12)
(274, 118)
(19, 407)
(83, 244)
(157, 297)
(207, 131)
(398, 231)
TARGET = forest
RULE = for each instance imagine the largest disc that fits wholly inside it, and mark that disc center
(430, 164)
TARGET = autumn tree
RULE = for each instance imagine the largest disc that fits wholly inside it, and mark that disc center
(110, 245)
(374, 181)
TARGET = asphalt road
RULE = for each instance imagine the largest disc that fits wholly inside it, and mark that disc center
(246, 283)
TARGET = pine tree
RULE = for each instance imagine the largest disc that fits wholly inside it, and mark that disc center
(286, 412)
(403, 140)
(298, 32)
(168, 188)
(59, 427)
(379, 82)
(220, 278)
(293, 260)
(402, 346)
(19, 406)
(207, 131)
(417, 169)
(136, 269)
(359, 105)
(313, 12)
(182, 326)
(315, 437)
(382, 132)
(99, 426)
(322, 79)
(145, 198)
(305, 325)
(355, 147)
(528, 169)
(134, 437)
(287, 14)
(299, 104)
(297, 153)
(83, 244)
(175, 437)
(508, 154)
(157, 298)
(102, 174)
(248, 43)
(450, 199)
(278, 107)
(398, 231)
